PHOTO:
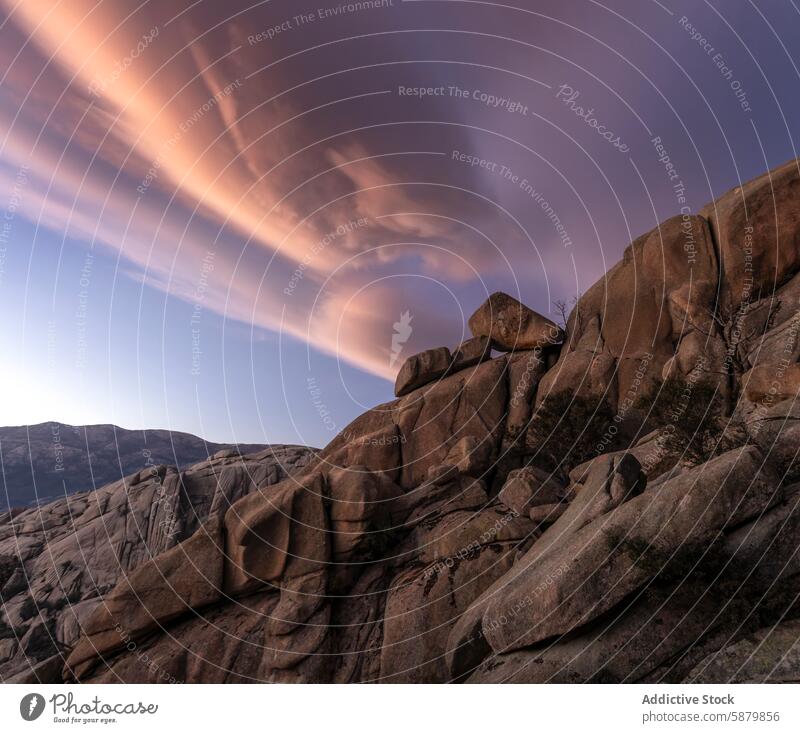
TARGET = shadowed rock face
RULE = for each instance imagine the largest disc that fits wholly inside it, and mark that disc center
(429, 542)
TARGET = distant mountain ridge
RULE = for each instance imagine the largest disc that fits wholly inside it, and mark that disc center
(49, 460)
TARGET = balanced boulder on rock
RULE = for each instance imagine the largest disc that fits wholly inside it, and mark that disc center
(471, 352)
(427, 366)
(422, 368)
(512, 326)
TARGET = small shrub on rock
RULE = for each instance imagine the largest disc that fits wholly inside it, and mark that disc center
(691, 417)
(566, 428)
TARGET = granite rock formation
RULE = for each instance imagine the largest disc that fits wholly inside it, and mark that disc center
(434, 541)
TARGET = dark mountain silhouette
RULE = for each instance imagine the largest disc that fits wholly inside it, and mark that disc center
(49, 460)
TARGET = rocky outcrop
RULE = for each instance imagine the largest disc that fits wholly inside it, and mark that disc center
(434, 540)
(182, 579)
(653, 311)
(57, 561)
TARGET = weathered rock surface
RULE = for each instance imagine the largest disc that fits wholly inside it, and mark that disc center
(764, 210)
(57, 561)
(772, 382)
(512, 326)
(422, 368)
(771, 654)
(182, 579)
(471, 352)
(654, 306)
(580, 569)
(526, 488)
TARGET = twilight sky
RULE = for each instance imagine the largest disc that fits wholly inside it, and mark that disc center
(215, 212)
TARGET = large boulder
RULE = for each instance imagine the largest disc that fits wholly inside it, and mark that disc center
(629, 325)
(470, 403)
(406, 437)
(757, 227)
(513, 326)
(653, 628)
(422, 607)
(611, 481)
(362, 507)
(578, 570)
(277, 536)
(422, 368)
(676, 623)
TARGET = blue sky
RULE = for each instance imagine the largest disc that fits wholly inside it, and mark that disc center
(213, 233)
